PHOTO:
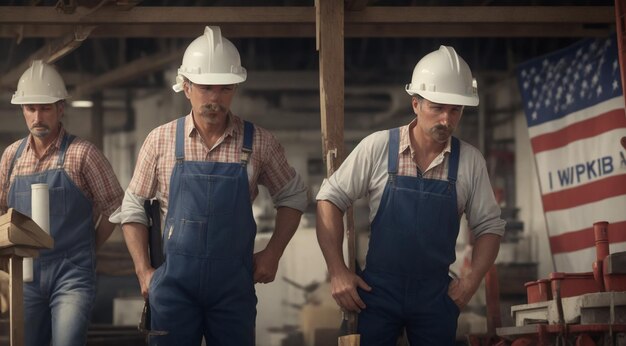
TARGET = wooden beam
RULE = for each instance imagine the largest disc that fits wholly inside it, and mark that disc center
(127, 72)
(16, 301)
(158, 15)
(331, 68)
(49, 53)
(306, 30)
(297, 15)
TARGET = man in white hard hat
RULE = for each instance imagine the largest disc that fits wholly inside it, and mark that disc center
(82, 186)
(205, 168)
(419, 181)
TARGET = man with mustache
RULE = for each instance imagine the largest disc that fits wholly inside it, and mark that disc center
(419, 181)
(82, 188)
(204, 169)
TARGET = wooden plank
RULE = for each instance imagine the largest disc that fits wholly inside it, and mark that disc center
(482, 14)
(158, 15)
(352, 30)
(331, 61)
(302, 14)
(16, 309)
(49, 53)
(330, 43)
(127, 72)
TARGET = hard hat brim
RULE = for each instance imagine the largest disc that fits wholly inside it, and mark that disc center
(34, 100)
(446, 99)
(212, 79)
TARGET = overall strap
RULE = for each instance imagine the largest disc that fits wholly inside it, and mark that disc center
(67, 139)
(394, 145)
(180, 139)
(18, 154)
(248, 137)
(453, 162)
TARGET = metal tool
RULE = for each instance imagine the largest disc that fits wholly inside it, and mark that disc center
(144, 323)
(152, 209)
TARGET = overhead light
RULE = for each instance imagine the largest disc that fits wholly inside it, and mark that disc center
(82, 104)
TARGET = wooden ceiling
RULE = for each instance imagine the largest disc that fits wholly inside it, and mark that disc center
(51, 32)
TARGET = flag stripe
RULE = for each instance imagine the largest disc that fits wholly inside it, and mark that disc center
(581, 162)
(577, 218)
(580, 130)
(587, 193)
(556, 125)
(583, 239)
(582, 260)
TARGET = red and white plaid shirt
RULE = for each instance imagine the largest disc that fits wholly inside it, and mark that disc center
(407, 166)
(85, 165)
(267, 165)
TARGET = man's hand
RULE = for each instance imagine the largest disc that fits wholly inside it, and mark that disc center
(461, 291)
(144, 280)
(265, 266)
(344, 289)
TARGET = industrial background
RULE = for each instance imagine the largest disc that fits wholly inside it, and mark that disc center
(119, 59)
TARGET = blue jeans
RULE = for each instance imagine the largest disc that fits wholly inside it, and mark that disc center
(58, 303)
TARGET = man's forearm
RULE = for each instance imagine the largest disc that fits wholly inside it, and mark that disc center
(329, 228)
(104, 231)
(136, 236)
(483, 256)
(286, 224)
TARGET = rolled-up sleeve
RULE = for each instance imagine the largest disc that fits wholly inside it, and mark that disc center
(283, 183)
(130, 211)
(354, 177)
(292, 195)
(143, 185)
(482, 210)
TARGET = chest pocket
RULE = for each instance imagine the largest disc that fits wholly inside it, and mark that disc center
(205, 195)
(57, 201)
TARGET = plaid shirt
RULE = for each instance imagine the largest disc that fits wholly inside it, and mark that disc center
(267, 165)
(407, 166)
(85, 165)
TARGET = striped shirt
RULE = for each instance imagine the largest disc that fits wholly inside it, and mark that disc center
(267, 165)
(85, 165)
(364, 173)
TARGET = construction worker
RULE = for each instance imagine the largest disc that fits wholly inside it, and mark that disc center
(419, 181)
(82, 187)
(205, 168)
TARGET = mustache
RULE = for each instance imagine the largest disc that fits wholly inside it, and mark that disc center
(442, 128)
(40, 125)
(213, 108)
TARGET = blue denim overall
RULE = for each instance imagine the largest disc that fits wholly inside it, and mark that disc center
(413, 236)
(59, 300)
(205, 287)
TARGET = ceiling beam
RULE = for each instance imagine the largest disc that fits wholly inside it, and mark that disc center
(49, 53)
(298, 15)
(130, 71)
(308, 30)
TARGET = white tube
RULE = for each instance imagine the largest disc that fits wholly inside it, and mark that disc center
(40, 206)
(40, 210)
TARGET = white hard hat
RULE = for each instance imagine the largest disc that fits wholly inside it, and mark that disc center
(211, 59)
(444, 77)
(40, 84)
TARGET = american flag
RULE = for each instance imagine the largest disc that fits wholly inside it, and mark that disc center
(575, 113)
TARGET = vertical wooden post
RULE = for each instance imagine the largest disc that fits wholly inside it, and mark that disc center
(97, 121)
(492, 293)
(330, 44)
(16, 309)
(329, 25)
